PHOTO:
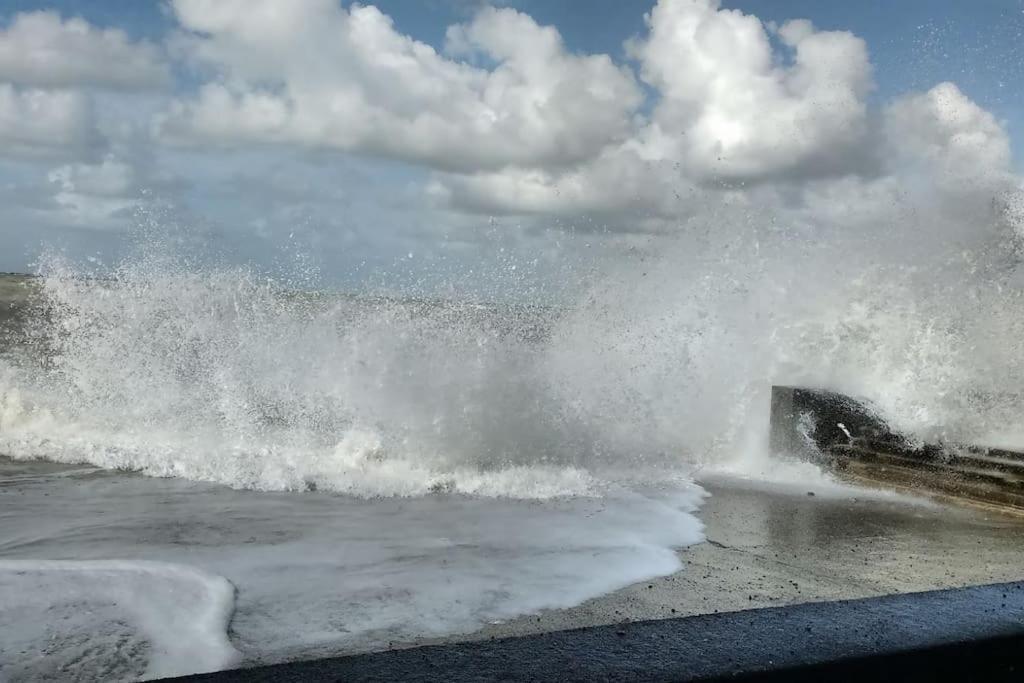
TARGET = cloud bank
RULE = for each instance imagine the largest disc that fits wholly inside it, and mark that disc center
(708, 105)
(48, 68)
(315, 74)
(40, 49)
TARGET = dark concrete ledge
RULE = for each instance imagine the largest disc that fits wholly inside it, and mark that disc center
(968, 634)
(848, 436)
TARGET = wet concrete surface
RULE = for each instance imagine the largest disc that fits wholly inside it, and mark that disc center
(964, 634)
(769, 548)
(764, 548)
(816, 563)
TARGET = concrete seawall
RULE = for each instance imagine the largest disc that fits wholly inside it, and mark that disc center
(848, 436)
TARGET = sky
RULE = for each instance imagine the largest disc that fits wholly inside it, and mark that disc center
(418, 140)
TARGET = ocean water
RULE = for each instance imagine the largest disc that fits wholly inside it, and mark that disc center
(206, 470)
(202, 466)
(204, 577)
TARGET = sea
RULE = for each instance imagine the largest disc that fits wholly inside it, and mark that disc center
(203, 466)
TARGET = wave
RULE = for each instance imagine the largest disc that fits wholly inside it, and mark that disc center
(222, 376)
(661, 369)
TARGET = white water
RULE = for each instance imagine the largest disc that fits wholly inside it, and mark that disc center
(469, 463)
(220, 377)
(315, 573)
(109, 618)
(432, 475)
(662, 365)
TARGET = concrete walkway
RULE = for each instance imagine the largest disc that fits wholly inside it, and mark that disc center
(790, 552)
(768, 549)
(965, 634)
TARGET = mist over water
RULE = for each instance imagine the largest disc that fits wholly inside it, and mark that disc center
(223, 376)
(415, 467)
(922, 317)
(431, 452)
(661, 367)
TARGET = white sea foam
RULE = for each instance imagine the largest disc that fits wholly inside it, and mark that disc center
(491, 456)
(221, 377)
(111, 619)
(217, 374)
(474, 492)
(315, 573)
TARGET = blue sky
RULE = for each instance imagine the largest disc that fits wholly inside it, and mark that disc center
(378, 196)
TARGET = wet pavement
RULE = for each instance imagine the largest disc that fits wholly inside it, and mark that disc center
(963, 634)
(847, 590)
(769, 548)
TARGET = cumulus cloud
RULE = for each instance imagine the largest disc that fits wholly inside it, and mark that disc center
(741, 105)
(736, 102)
(315, 74)
(942, 130)
(617, 184)
(712, 107)
(109, 178)
(541, 131)
(46, 124)
(48, 69)
(731, 106)
(42, 50)
(95, 195)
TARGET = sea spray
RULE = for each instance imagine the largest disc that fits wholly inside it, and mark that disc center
(447, 419)
(660, 368)
(224, 376)
(684, 348)
(473, 495)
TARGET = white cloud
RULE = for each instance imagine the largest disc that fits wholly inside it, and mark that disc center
(504, 119)
(730, 106)
(314, 74)
(540, 132)
(945, 167)
(49, 67)
(95, 195)
(109, 178)
(727, 105)
(733, 114)
(39, 49)
(956, 157)
(46, 123)
(618, 183)
(944, 131)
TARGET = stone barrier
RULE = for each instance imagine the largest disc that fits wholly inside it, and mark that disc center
(850, 437)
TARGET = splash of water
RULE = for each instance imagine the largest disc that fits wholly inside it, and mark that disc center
(661, 368)
(687, 349)
(220, 375)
